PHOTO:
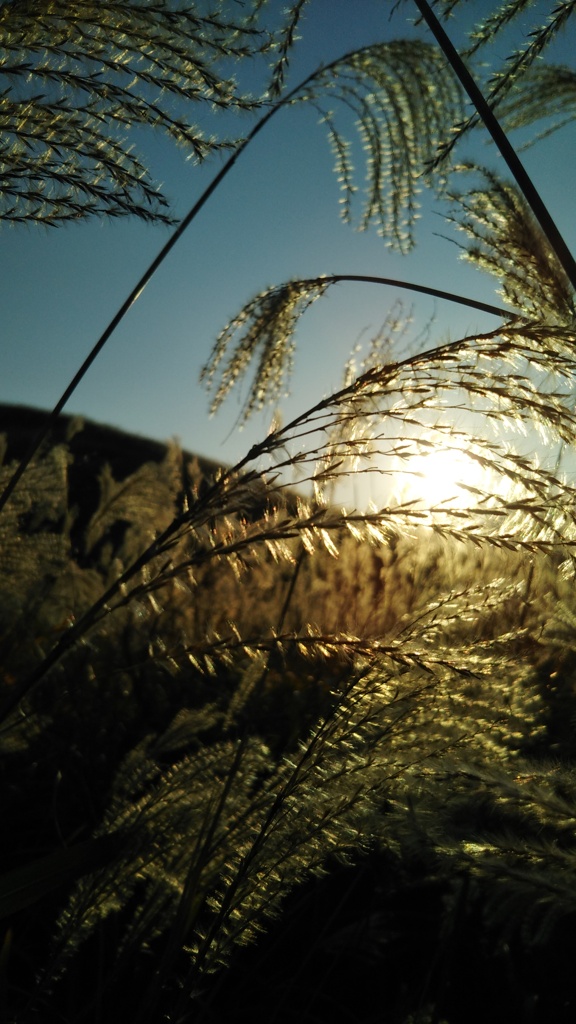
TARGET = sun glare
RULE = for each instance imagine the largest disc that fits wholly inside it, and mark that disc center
(443, 477)
(437, 477)
(434, 479)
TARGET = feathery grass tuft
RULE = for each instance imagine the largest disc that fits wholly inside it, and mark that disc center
(235, 701)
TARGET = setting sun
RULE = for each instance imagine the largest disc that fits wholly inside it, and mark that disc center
(434, 477)
(447, 477)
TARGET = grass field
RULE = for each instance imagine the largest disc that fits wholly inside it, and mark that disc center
(333, 783)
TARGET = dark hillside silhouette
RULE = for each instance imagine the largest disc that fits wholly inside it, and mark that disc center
(92, 447)
(92, 444)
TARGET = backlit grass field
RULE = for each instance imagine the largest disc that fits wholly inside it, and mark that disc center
(279, 780)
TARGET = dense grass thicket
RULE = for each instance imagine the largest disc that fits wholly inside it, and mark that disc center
(265, 756)
(369, 754)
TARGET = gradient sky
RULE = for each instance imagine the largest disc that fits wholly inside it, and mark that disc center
(275, 217)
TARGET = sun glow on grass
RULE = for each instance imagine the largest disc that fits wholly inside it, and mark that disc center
(442, 474)
(435, 481)
(446, 477)
(448, 473)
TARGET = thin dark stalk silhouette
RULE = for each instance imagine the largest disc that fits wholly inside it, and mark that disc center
(509, 154)
(422, 289)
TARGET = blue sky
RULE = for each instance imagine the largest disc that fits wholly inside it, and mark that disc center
(275, 217)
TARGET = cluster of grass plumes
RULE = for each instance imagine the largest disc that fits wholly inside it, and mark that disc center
(80, 80)
(232, 703)
(213, 729)
(256, 699)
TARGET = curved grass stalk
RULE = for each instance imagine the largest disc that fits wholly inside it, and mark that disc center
(423, 289)
(266, 324)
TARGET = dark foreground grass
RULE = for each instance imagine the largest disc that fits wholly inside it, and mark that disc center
(314, 787)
